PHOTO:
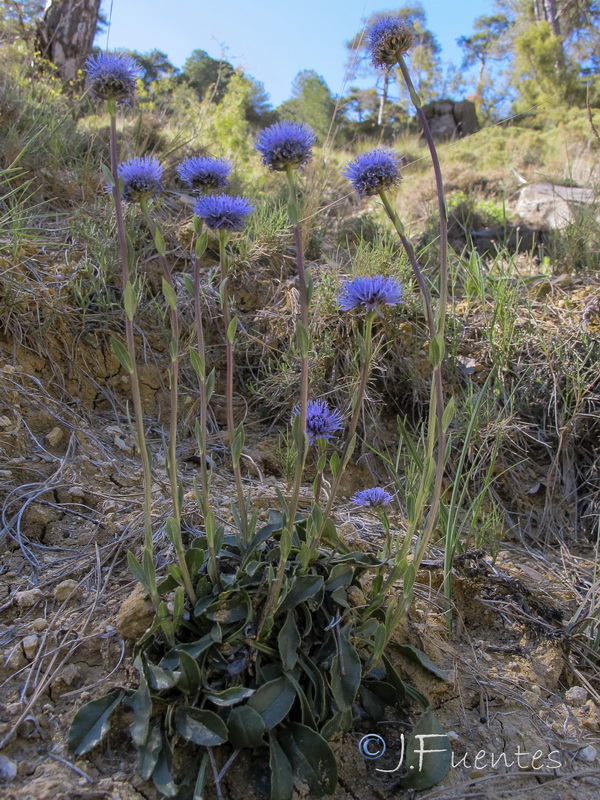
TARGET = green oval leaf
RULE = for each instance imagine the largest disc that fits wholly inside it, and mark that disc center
(311, 758)
(282, 779)
(428, 754)
(91, 723)
(230, 696)
(302, 589)
(273, 701)
(201, 727)
(246, 727)
(346, 673)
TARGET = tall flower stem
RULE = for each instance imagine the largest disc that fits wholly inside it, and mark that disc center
(357, 404)
(169, 289)
(202, 386)
(434, 431)
(302, 342)
(174, 530)
(130, 341)
(443, 214)
(234, 442)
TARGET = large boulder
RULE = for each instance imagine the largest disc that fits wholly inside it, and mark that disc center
(553, 207)
(450, 120)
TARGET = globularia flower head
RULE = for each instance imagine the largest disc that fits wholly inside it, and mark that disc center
(370, 292)
(375, 497)
(204, 174)
(322, 422)
(389, 38)
(372, 171)
(285, 144)
(222, 212)
(141, 178)
(111, 76)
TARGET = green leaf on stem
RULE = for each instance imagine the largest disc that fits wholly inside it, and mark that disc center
(282, 779)
(129, 301)
(246, 727)
(108, 176)
(238, 444)
(198, 364)
(302, 339)
(169, 293)
(122, 356)
(428, 754)
(448, 414)
(436, 350)
(201, 244)
(159, 241)
(231, 329)
(210, 385)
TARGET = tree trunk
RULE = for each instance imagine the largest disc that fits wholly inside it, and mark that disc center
(66, 34)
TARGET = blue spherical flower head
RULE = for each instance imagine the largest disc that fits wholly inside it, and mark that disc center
(204, 174)
(370, 293)
(111, 76)
(285, 144)
(388, 39)
(376, 498)
(322, 422)
(141, 178)
(223, 213)
(373, 171)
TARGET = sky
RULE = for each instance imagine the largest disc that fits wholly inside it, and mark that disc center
(272, 40)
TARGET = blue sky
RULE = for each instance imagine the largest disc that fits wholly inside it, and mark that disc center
(272, 40)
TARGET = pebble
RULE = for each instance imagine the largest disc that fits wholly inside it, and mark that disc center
(55, 437)
(30, 646)
(8, 769)
(588, 753)
(64, 589)
(28, 598)
(576, 695)
(40, 624)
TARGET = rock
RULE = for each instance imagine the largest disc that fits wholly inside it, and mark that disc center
(28, 598)
(547, 205)
(587, 753)
(135, 615)
(576, 695)
(64, 589)
(30, 646)
(38, 625)
(55, 437)
(8, 769)
(449, 120)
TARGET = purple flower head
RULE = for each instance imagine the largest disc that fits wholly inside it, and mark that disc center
(111, 76)
(204, 174)
(285, 144)
(141, 178)
(370, 292)
(389, 38)
(222, 212)
(372, 171)
(322, 422)
(375, 497)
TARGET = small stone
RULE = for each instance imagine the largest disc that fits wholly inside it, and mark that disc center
(16, 660)
(356, 597)
(576, 695)
(9, 369)
(588, 753)
(452, 736)
(66, 589)
(14, 709)
(55, 437)
(40, 624)
(135, 615)
(30, 646)
(5, 422)
(531, 698)
(28, 598)
(8, 769)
